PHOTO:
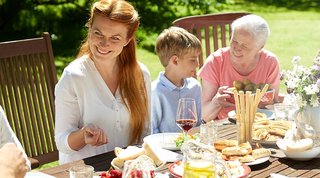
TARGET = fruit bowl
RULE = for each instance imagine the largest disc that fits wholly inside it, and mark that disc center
(267, 97)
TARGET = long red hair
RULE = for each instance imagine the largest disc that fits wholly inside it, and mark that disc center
(131, 81)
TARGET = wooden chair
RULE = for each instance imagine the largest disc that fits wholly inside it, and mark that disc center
(27, 81)
(213, 30)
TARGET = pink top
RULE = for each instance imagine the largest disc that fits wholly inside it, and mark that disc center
(218, 70)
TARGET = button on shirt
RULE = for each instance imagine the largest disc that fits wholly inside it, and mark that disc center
(165, 97)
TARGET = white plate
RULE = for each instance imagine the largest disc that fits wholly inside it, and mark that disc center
(299, 156)
(258, 161)
(270, 114)
(164, 140)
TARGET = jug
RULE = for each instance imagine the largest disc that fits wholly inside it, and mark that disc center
(199, 161)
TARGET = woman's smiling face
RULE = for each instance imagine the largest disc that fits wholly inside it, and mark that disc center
(107, 38)
(243, 45)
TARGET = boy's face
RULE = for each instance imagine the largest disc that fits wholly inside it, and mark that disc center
(188, 63)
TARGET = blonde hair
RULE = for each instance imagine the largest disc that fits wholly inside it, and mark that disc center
(175, 41)
(131, 81)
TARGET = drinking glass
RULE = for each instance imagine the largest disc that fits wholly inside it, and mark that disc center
(186, 114)
(82, 171)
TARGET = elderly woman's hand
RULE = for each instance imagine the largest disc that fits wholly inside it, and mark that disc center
(220, 99)
(94, 136)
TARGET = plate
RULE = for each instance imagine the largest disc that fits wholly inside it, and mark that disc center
(270, 114)
(157, 168)
(164, 140)
(258, 161)
(176, 170)
(299, 156)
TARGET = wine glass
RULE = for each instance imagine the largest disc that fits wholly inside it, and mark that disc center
(186, 117)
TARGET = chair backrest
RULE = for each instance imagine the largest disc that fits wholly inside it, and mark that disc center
(27, 81)
(213, 30)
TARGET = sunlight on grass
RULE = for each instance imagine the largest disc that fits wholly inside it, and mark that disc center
(151, 60)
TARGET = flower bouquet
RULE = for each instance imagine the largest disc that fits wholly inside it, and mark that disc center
(303, 85)
(304, 82)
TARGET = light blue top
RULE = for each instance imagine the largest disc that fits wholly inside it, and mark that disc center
(164, 102)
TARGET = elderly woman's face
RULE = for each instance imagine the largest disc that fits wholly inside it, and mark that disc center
(243, 45)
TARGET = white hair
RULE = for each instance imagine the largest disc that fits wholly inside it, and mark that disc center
(255, 25)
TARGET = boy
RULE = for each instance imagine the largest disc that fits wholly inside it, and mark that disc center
(178, 51)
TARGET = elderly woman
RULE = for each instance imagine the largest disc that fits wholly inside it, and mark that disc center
(244, 59)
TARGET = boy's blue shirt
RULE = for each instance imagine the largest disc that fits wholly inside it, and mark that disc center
(164, 102)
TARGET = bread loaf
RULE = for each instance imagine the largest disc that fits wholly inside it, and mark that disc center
(260, 153)
(223, 143)
(246, 159)
(234, 151)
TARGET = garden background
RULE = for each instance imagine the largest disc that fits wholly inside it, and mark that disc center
(294, 25)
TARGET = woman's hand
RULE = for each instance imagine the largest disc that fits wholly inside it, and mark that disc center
(213, 100)
(94, 136)
(220, 99)
(12, 161)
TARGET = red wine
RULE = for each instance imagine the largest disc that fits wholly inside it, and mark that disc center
(186, 124)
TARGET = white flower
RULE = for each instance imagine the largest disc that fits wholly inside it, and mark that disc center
(295, 59)
(311, 89)
(304, 83)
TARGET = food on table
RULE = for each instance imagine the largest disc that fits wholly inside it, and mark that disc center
(260, 153)
(269, 130)
(234, 151)
(259, 116)
(246, 108)
(300, 145)
(244, 152)
(223, 143)
(152, 154)
(179, 140)
(246, 85)
(111, 174)
(133, 153)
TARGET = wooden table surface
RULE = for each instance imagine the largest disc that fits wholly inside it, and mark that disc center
(275, 164)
